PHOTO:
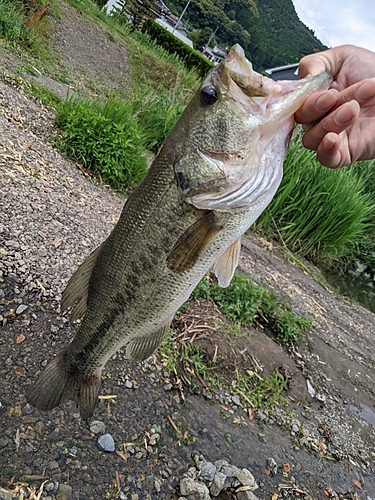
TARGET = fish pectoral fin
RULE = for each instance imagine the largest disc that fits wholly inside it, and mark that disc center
(187, 250)
(142, 348)
(77, 289)
(226, 264)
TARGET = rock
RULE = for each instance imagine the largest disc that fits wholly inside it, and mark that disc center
(217, 484)
(229, 471)
(236, 400)
(21, 308)
(208, 471)
(193, 490)
(106, 443)
(272, 466)
(64, 492)
(246, 478)
(97, 427)
(246, 495)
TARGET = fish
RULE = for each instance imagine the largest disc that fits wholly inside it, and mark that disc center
(216, 171)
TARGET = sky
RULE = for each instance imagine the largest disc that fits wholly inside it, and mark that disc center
(337, 22)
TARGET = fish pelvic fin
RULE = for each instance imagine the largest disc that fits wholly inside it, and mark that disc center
(55, 385)
(226, 264)
(140, 349)
(190, 246)
(77, 289)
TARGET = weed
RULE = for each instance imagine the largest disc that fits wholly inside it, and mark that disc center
(247, 303)
(319, 212)
(261, 393)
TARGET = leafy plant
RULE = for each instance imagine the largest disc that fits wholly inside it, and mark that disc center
(248, 303)
(318, 212)
(263, 393)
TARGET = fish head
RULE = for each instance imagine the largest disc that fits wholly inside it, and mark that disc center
(236, 131)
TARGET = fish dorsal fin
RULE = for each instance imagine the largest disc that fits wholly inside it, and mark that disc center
(193, 242)
(226, 264)
(140, 349)
(76, 291)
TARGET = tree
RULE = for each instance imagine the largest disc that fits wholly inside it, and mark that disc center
(200, 37)
(136, 11)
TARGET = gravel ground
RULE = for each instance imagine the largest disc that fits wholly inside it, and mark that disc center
(51, 217)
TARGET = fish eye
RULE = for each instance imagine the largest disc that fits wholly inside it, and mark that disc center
(208, 96)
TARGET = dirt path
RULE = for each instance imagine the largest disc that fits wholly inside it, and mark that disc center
(51, 217)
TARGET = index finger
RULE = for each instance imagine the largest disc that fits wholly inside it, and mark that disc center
(312, 65)
(316, 106)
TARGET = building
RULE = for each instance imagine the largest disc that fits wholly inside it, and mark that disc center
(178, 32)
(215, 55)
(287, 72)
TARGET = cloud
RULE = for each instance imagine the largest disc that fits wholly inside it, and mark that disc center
(338, 22)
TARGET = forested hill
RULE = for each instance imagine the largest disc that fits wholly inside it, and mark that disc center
(270, 31)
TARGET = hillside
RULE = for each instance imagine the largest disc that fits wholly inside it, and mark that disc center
(269, 30)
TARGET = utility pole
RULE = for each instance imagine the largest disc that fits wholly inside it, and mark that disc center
(211, 37)
(179, 19)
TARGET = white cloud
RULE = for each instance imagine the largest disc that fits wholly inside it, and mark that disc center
(338, 22)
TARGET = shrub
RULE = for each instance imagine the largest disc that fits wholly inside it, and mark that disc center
(191, 58)
(319, 212)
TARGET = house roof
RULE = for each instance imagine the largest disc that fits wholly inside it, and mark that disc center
(286, 72)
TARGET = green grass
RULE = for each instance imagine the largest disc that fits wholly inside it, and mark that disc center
(112, 150)
(109, 138)
(248, 303)
(318, 213)
(262, 393)
(23, 30)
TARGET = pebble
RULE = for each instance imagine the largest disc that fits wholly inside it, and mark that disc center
(97, 427)
(106, 443)
(64, 492)
(21, 308)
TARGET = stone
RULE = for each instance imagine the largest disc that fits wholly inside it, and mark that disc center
(246, 478)
(64, 492)
(106, 443)
(208, 471)
(97, 427)
(217, 484)
(246, 495)
(21, 308)
(194, 490)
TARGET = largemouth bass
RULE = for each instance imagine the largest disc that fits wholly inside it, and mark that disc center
(218, 169)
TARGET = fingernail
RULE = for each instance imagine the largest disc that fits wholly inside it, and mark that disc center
(329, 142)
(366, 90)
(327, 100)
(346, 113)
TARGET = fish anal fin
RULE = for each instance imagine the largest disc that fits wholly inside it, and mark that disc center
(142, 348)
(188, 248)
(226, 264)
(55, 385)
(76, 291)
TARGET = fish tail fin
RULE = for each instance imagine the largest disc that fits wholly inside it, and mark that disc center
(55, 385)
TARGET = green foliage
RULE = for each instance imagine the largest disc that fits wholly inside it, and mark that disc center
(247, 303)
(190, 58)
(101, 3)
(21, 28)
(110, 138)
(47, 97)
(270, 32)
(200, 38)
(11, 21)
(319, 213)
(108, 145)
(263, 393)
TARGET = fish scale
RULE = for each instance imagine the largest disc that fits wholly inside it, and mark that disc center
(216, 172)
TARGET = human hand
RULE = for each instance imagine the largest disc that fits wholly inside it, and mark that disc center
(340, 122)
